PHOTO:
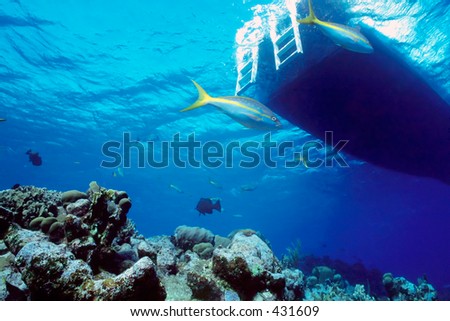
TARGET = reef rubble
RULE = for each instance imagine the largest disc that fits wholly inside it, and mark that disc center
(81, 246)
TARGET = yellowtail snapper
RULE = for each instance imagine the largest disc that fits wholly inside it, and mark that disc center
(246, 111)
(344, 36)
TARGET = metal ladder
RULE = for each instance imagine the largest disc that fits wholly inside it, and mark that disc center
(247, 70)
(286, 42)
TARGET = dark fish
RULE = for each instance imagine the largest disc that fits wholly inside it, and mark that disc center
(15, 186)
(35, 159)
(206, 206)
(2, 119)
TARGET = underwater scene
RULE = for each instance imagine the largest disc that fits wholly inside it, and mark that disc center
(225, 150)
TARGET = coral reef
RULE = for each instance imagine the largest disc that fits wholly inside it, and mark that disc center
(249, 266)
(23, 204)
(355, 273)
(72, 246)
(204, 250)
(400, 289)
(332, 291)
(186, 237)
(292, 258)
(82, 246)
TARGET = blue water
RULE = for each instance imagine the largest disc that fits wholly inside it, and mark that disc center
(76, 74)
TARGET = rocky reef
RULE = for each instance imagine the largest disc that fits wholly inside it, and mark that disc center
(71, 246)
(81, 246)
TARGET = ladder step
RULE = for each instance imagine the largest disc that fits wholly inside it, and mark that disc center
(286, 37)
(287, 58)
(289, 50)
(242, 88)
(247, 78)
(291, 45)
(247, 67)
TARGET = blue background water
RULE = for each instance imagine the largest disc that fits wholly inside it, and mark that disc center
(75, 74)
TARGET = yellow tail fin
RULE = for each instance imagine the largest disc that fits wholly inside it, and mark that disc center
(312, 16)
(202, 100)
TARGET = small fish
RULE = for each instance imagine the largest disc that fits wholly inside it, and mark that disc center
(2, 119)
(179, 190)
(246, 111)
(300, 159)
(34, 158)
(344, 36)
(248, 187)
(215, 184)
(118, 172)
(206, 206)
(15, 186)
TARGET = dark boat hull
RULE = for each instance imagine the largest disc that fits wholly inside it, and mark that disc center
(391, 117)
